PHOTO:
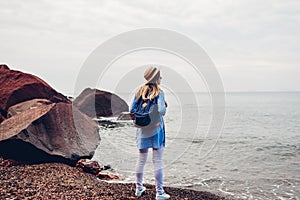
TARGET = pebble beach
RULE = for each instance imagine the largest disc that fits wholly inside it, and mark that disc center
(61, 181)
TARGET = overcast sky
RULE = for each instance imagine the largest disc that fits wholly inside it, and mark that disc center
(255, 45)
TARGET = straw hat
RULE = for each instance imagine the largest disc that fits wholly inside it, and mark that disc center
(152, 74)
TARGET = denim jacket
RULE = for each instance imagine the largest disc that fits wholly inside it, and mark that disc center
(152, 137)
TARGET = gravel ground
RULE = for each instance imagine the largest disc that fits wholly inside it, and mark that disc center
(60, 181)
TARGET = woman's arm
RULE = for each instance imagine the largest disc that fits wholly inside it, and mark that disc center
(161, 104)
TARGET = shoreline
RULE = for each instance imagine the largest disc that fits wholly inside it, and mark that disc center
(61, 181)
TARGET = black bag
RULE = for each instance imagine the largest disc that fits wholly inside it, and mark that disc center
(146, 112)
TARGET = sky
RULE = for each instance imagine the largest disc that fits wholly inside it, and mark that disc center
(253, 44)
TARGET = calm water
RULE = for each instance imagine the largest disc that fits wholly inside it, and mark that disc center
(257, 155)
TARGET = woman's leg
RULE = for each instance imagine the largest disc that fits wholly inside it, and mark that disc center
(158, 169)
(143, 153)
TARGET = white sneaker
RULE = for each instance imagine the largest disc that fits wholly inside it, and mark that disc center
(138, 192)
(162, 196)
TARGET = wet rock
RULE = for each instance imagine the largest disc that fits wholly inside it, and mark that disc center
(106, 167)
(97, 103)
(125, 116)
(109, 124)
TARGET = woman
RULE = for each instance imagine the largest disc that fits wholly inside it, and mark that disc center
(151, 136)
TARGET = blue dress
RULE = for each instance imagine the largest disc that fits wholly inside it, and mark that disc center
(152, 137)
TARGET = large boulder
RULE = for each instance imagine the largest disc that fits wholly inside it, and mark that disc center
(38, 124)
(62, 133)
(97, 103)
(17, 87)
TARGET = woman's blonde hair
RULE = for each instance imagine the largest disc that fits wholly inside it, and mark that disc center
(148, 91)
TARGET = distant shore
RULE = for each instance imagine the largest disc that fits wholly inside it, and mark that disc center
(61, 181)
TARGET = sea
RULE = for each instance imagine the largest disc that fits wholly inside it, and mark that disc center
(253, 154)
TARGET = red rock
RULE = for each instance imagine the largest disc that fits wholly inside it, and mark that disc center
(17, 87)
(89, 166)
(3, 66)
(62, 134)
(106, 175)
(97, 103)
(57, 134)
(36, 121)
